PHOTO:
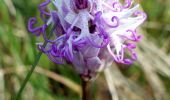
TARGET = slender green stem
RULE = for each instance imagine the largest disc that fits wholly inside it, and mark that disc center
(32, 68)
(28, 76)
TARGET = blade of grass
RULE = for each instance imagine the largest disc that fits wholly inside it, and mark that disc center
(2, 89)
(32, 68)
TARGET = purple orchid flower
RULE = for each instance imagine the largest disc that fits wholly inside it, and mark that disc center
(89, 32)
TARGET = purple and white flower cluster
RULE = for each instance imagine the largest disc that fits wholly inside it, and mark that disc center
(88, 32)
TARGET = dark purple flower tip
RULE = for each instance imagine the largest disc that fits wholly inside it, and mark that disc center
(127, 61)
(130, 45)
(80, 4)
(36, 31)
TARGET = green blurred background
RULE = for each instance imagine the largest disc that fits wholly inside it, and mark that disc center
(147, 79)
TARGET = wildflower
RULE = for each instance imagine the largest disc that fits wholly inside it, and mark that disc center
(88, 30)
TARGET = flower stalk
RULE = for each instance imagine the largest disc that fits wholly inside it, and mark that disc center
(86, 94)
(18, 96)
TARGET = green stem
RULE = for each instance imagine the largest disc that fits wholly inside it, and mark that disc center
(32, 68)
(28, 76)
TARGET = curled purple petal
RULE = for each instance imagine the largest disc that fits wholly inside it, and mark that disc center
(114, 19)
(137, 13)
(134, 36)
(127, 61)
(42, 8)
(36, 31)
(117, 7)
(127, 4)
(130, 45)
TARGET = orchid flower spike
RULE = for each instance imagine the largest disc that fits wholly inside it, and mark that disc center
(89, 32)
